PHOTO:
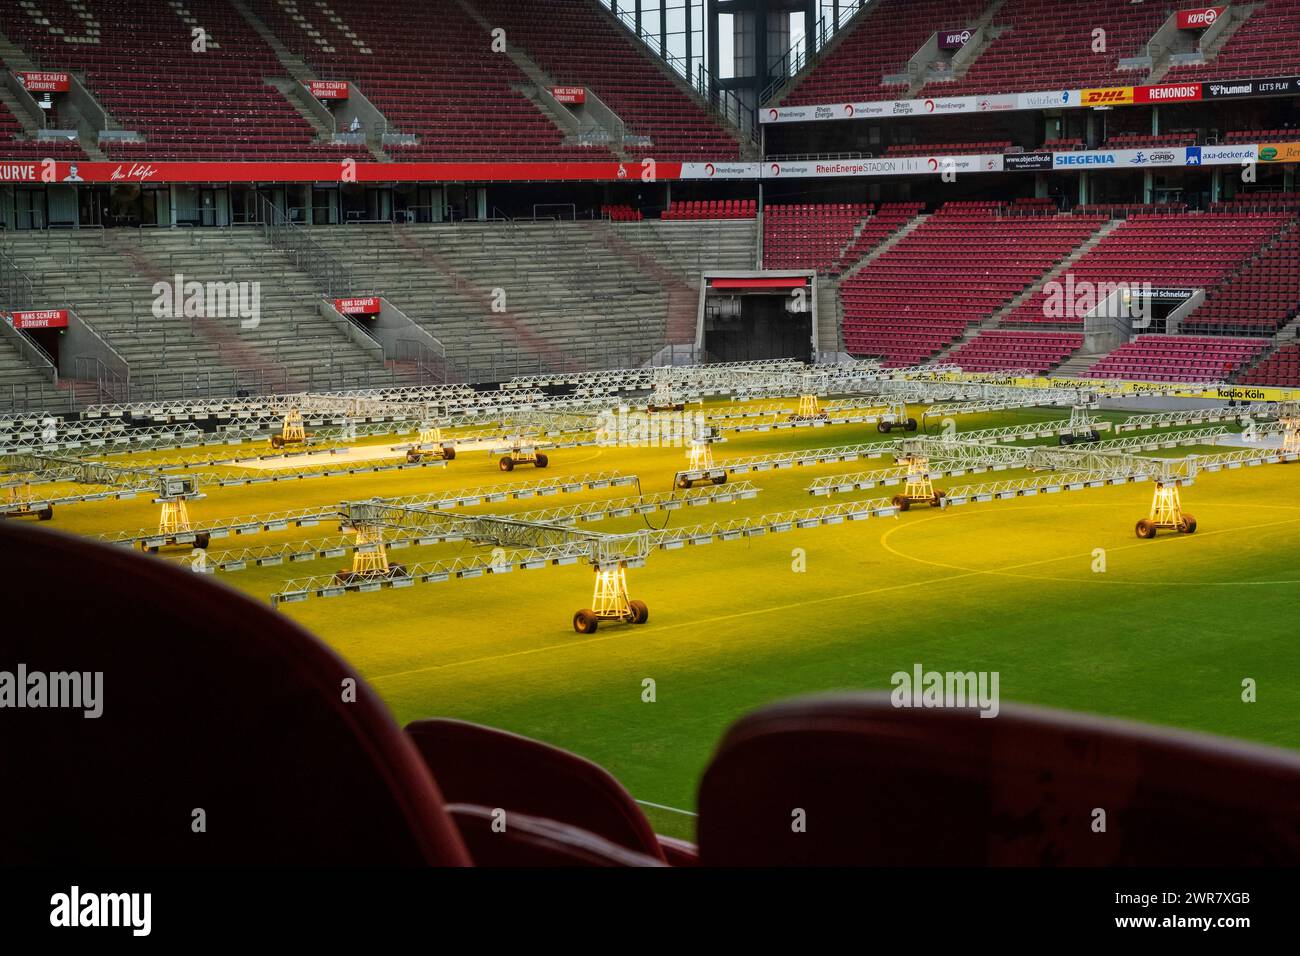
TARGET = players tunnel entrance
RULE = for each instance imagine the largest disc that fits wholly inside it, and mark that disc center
(758, 315)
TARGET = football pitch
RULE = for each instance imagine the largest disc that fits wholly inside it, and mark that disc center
(1054, 592)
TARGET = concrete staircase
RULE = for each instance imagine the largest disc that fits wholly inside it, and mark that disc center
(830, 316)
(1240, 14)
(23, 388)
(540, 80)
(521, 297)
(991, 33)
(108, 277)
(299, 73)
(885, 246)
(1061, 268)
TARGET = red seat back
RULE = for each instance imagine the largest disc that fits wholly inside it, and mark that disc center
(493, 768)
(886, 786)
(211, 702)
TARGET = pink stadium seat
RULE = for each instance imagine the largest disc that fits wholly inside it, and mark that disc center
(211, 701)
(880, 785)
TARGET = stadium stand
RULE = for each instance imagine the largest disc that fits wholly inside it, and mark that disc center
(959, 267)
(997, 350)
(1267, 44)
(1179, 358)
(139, 64)
(888, 219)
(1261, 298)
(1040, 45)
(1045, 45)
(811, 235)
(22, 386)
(581, 45)
(1209, 248)
(879, 42)
(291, 347)
(460, 107)
(1262, 136)
(1149, 141)
(711, 209)
(947, 149)
(1282, 368)
(610, 295)
(945, 787)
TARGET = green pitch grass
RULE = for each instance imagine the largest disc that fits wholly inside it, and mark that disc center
(1056, 593)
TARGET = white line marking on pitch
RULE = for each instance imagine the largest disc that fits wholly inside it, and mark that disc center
(660, 806)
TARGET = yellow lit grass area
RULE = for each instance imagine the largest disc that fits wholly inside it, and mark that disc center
(1166, 633)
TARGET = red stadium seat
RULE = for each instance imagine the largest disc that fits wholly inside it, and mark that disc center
(885, 786)
(528, 841)
(475, 764)
(211, 702)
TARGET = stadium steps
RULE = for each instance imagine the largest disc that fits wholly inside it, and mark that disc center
(540, 79)
(991, 33)
(14, 56)
(830, 316)
(811, 64)
(594, 292)
(108, 278)
(995, 320)
(1077, 365)
(1240, 13)
(884, 247)
(845, 249)
(23, 388)
(299, 74)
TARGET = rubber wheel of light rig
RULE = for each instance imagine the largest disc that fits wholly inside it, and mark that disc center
(640, 613)
(1189, 524)
(584, 622)
(506, 464)
(901, 503)
(1145, 529)
(541, 461)
(449, 453)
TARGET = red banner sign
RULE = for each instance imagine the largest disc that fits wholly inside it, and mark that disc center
(45, 319)
(35, 82)
(369, 305)
(573, 95)
(329, 89)
(1167, 93)
(37, 172)
(1200, 19)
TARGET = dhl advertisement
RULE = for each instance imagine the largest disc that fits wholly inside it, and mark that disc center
(1111, 96)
